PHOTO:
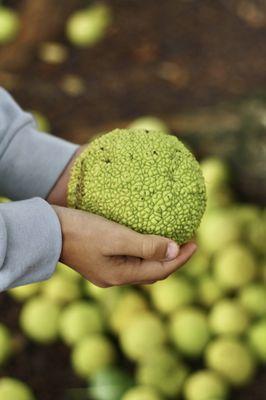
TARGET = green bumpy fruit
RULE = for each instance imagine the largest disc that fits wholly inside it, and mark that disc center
(110, 384)
(228, 317)
(143, 179)
(131, 304)
(219, 228)
(42, 122)
(142, 393)
(87, 27)
(59, 289)
(235, 266)
(232, 359)
(9, 25)
(172, 293)
(23, 293)
(163, 370)
(253, 298)
(144, 334)
(12, 389)
(39, 320)
(189, 331)
(92, 354)
(78, 320)
(149, 122)
(205, 385)
(208, 290)
(257, 339)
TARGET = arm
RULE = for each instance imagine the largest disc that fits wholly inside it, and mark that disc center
(33, 234)
(30, 163)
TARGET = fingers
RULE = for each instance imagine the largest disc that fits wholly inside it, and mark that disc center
(136, 271)
(127, 242)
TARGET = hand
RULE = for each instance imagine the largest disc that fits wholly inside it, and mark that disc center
(108, 254)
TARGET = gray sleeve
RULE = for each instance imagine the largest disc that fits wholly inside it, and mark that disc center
(30, 242)
(30, 164)
(30, 161)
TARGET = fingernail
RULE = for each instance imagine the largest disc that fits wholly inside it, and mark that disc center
(172, 251)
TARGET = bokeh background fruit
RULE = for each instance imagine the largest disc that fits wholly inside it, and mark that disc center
(194, 69)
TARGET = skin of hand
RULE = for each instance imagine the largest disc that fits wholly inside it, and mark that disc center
(107, 253)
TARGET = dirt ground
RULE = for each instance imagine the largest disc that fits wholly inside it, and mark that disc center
(158, 58)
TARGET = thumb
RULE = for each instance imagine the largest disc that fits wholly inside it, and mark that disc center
(154, 247)
(148, 247)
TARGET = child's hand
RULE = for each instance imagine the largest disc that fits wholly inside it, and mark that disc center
(108, 254)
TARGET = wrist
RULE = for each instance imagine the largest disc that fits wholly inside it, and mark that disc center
(62, 217)
(58, 194)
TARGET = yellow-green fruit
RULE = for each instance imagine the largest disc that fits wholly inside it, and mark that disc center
(228, 317)
(100, 294)
(257, 339)
(78, 320)
(234, 266)
(215, 172)
(108, 298)
(219, 228)
(142, 393)
(110, 383)
(232, 359)
(164, 371)
(67, 272)
(5, 344)
(197, 265)
(246, 214)
(253, 298)
(205, 385)
(12, 389)
(39, 320)
(144, 334)
(22, 293)
(42, 122)
(190, 331)
(130, 304)
(4, 200)
(61, 289)
(53, 52)
(92, 354)
(150, 123)
(147, 181)
(257, 233)
(86, 27)
(174, 292)
(9, 25)
(208, 290)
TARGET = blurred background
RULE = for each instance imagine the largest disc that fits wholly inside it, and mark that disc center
(189, 67)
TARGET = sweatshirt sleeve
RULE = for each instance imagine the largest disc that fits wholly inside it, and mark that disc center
(30, 242)
(30, 161)
(30, 164)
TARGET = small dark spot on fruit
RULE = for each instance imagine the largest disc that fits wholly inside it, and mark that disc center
(107, 161)
(155, 152)
(146, 130)
(102, 148)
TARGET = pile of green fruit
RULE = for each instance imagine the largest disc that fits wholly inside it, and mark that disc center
(213, 311)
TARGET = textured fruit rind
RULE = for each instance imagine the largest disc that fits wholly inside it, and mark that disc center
(143, 179)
